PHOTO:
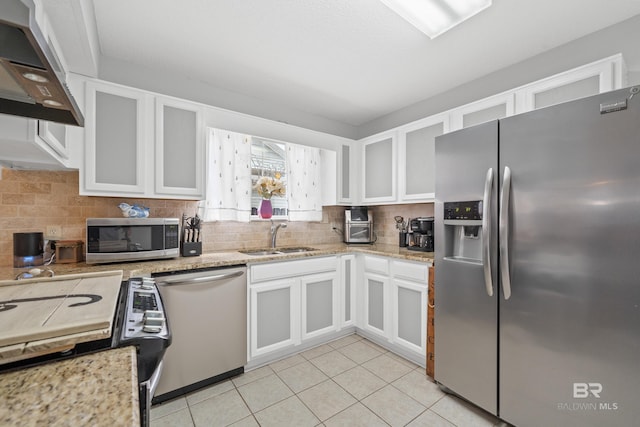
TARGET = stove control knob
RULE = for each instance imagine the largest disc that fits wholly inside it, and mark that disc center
(148, 283)
(153, 321)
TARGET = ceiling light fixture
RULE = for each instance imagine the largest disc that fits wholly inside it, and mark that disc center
(434, 17)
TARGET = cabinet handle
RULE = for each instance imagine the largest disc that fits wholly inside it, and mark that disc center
(486, 232)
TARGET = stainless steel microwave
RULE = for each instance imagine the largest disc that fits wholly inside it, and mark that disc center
(131, 239)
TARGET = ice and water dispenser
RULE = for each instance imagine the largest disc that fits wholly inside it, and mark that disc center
(463, 231)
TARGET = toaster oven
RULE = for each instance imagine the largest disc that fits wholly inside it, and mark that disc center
(358, 225)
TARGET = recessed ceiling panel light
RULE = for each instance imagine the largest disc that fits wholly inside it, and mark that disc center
(434, 17)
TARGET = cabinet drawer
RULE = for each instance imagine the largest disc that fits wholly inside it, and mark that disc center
(277, 270)
(410, 271)
(376, 265)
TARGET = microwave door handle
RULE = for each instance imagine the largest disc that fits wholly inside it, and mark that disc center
(504, 233)
(486, 232)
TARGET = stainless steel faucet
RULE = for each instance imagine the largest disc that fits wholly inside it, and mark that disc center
(274, 231)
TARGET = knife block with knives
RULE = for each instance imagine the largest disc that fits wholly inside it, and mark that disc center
(191, 237)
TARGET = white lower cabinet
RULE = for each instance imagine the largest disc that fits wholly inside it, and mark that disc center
(299, 304)
(375, 304)
(292, 302)
(274, 316)
(394, 305)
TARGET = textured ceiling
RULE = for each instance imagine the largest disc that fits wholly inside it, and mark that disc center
(349, 61)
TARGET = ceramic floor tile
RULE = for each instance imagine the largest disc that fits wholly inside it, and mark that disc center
(264, 392)
(341, 342)
(220, 410)
(181, 418)
(287, 363)
(376, 346)
(355, 416)
(302, 376)
(387, 368)
(326, 399)
(429, 419)
(463, 414)
(402, 360)
(289, 412)
(393, 406)
(166, 408)
(317, 351)
(359, 382)
(209, 392)
(418, 386)
(333, 363)
(251, 376)
(359, 352)
(249, 421)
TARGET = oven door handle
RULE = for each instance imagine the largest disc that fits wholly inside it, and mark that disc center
(195, 280)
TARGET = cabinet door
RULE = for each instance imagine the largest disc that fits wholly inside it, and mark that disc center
(275, 316)
(494, 107)
(55, 136)
(319, 293)
(379, 169)
(410, 315)
(375, 304)
(116, 131)
(591, 79)
(348, 291)
(179, 148)
(348, 156)
(417, 152)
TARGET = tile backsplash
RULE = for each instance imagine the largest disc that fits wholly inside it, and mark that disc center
(32, 200)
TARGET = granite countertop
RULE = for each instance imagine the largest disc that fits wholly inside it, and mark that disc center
(225, 259)
(98, 389)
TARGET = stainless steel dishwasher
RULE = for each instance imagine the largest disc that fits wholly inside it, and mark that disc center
(207, 313)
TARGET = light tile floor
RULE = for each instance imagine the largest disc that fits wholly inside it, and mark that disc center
(347, 382)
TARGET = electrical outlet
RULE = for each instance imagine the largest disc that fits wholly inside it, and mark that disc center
(53, 232)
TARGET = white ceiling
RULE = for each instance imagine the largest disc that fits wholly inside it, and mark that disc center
(351, 61)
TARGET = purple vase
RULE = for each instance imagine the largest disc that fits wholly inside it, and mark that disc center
(265, 210)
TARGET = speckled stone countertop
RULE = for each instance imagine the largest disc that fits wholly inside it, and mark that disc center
(99, 389)
(224, 259)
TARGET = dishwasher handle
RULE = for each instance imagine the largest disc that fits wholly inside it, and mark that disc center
(194, 280)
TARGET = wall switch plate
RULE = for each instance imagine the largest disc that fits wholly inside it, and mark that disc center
(53, 232)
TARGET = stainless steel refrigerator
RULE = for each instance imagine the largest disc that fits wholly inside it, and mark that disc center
(538, 263)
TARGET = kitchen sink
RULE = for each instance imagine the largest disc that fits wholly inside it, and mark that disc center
(280, 251)
(294, 250)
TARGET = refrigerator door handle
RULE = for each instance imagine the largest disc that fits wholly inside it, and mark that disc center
(504, 233)
(486, 232)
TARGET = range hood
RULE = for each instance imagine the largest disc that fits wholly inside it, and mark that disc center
(31, 79)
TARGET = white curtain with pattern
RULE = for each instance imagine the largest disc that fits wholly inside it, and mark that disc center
(228, 194)
(304, 186)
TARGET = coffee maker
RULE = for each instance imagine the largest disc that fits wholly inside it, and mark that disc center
(420, 237)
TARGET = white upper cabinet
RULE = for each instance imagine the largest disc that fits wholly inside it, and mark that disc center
(116, 131)
(495, 107)
(379, 168)
(179, 148)
(591, 79)
(347, 161)
(134, 149)
(416, 180)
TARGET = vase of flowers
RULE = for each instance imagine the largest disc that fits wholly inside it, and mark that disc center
(268, 187)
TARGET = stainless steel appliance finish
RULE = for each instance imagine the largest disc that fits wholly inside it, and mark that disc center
(31, 79)
(208, 315)
(358, 225)
(538, 310)
(131, 239)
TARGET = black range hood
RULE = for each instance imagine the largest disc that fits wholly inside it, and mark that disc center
(31, 79)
